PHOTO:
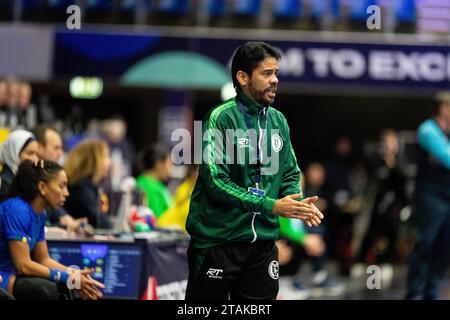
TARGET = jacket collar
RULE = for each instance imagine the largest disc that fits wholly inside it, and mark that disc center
(251, 106)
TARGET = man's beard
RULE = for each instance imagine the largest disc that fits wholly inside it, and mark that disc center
(258, 95)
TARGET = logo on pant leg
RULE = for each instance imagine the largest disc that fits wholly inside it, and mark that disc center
(274, 269)
(214, 273)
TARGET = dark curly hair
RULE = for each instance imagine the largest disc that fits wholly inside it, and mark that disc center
(248, 56)
(149, 155)
(28, 176)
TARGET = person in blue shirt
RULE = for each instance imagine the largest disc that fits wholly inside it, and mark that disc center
(27, 270)
(431, 254)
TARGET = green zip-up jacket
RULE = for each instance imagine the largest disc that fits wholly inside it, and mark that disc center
(222, 209)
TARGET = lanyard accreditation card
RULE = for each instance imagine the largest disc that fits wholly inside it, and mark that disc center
(254, 190)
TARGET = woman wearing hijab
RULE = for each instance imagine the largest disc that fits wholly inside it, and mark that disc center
(20, 145)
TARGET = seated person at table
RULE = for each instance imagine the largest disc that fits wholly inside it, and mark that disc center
(86, 165)
(27, 270)
(175, 217)
(154, 164)
(51, 148)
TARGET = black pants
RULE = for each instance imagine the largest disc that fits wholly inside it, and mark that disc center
(299, 255)
(431, 256)
(35, 288)
(236, 271)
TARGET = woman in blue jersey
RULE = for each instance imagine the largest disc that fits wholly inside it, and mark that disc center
(27, 270)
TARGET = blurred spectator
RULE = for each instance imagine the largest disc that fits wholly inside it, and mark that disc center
(113, 130)
(50, 142)
(312, 243)
(74, 128)
(86, 165)
(343, 200)
(315, 176)
(3, 92)
(175, 216)
(430, 258)
(19, 146)
(27, 112)
(16, 110)
(3, 108)
(294, 245)
(25, 93)
(388, 183)
(50, 148)
(12, 102)
(154, 164)
(3, 98)
(93, 129)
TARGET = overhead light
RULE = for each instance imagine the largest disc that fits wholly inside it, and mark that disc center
(86, 87)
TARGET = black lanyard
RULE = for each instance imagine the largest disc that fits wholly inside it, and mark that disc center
(251, 126)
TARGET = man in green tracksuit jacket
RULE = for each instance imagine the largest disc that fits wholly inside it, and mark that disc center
(248, 177)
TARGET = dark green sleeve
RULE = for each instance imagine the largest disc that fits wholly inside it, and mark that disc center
(216, 176)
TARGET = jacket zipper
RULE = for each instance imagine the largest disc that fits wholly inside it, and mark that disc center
(255, 235)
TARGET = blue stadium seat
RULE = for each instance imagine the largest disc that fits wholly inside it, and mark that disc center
(247, 7)
(30, 4)
(405, 10)
(321, 7)
(287, 8)
(216, 8)
(100, 5)
(178, 7)
(358, 8)
(60, 4)
(132, 5)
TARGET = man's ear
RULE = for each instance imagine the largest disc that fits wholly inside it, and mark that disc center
(42, 187)
(242, 77)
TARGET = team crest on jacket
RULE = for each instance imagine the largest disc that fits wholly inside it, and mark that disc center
(274, 269)
(277, 142)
